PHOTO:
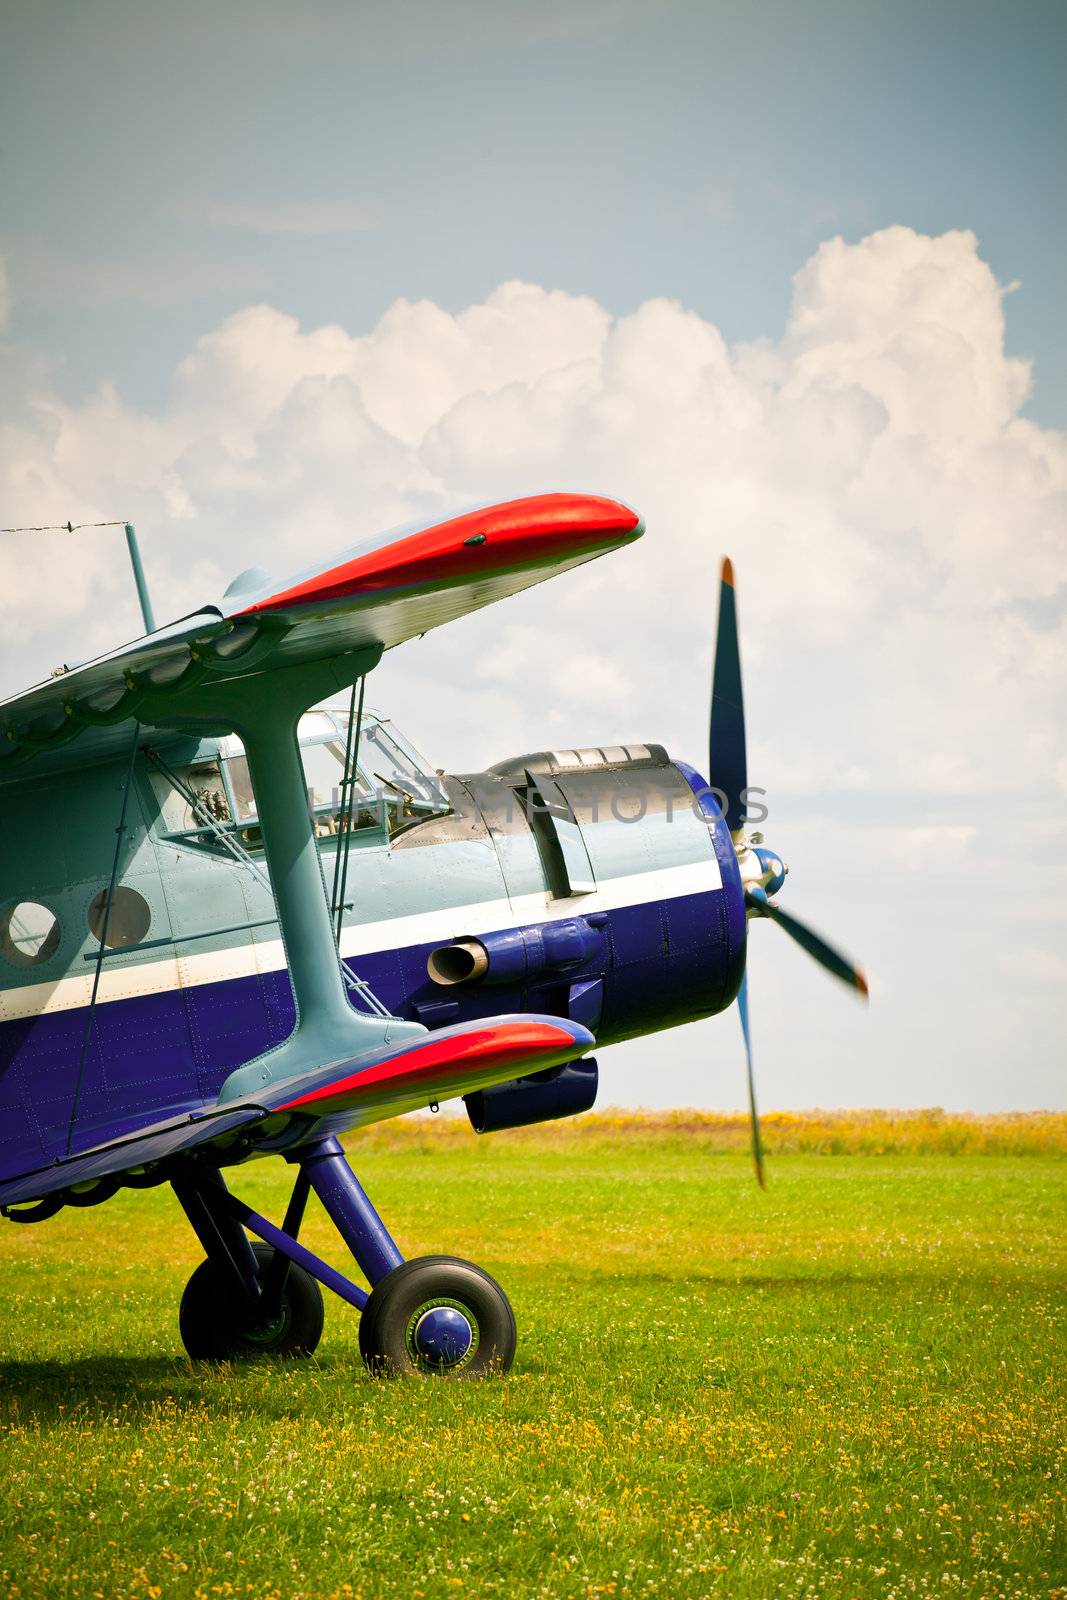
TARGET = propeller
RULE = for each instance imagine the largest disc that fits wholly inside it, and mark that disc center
(815, 945)
(762, 872)
(757, 1142)
(727, 757)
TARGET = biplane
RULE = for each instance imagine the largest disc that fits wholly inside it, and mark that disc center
(241, 916)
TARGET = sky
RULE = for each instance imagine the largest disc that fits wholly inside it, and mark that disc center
(788, 278)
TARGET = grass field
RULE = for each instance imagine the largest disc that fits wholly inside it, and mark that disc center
(854, 1384)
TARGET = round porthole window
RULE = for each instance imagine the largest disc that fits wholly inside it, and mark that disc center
(129, 921)
(29, 933)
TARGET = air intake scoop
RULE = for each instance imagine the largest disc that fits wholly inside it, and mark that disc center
(597, 758)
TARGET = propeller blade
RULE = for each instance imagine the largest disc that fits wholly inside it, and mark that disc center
(727, 761)
(757, 1142)
(825, 954)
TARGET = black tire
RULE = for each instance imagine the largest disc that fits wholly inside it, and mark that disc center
(397, 1305)
(216, 1323)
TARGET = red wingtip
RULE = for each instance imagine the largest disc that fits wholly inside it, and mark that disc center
(538, 531)
(861, 983)
(727, 571)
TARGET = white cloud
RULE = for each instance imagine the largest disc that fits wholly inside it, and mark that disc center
(929, 850)
(890, 512)
(898, 530)
(1033, 964)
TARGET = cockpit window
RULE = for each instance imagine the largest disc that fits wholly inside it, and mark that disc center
(395, 768)
(398, 770)
(395, 788)
(192, 796)
(324, 771)
(244, 800)
(395, 785)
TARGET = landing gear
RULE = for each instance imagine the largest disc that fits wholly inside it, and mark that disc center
(437, 1316)
(219, 1322)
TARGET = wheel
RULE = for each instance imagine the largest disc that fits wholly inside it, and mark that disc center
(438, 1317)
(217, 1324)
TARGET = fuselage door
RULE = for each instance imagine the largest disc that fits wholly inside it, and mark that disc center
(564, 856)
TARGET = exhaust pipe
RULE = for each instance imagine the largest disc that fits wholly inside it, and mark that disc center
(465, 961)
(516, 955)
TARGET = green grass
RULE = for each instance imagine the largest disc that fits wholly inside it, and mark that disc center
(852, 1385)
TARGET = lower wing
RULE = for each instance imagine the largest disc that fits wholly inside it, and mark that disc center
(382, 1083)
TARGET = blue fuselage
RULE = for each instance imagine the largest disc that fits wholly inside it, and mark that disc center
(604, 890)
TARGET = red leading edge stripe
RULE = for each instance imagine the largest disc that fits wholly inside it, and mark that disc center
(512, 1044)
(517, 533)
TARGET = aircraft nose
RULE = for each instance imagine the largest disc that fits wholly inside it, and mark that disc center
(773, 865)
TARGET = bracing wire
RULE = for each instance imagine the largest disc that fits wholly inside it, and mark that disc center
(345, 812)
(131, 543)
(64, 527)
(346, 774)
(120, 833)
(353, 771)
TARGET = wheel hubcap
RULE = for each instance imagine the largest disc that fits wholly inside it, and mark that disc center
(441, 1334)
(267, 1333)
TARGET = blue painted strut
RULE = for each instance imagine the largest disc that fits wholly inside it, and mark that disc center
(328, 1276)
(348, 1207)
(206, 1202)
(219, 1219)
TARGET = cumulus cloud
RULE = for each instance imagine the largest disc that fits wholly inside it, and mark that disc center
(1033, 964)
(890, 511)
(898, 530)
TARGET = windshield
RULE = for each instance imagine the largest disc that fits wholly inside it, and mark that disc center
(392, 764)
(394, 785)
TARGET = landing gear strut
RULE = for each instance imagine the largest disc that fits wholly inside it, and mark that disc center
(435, 1316)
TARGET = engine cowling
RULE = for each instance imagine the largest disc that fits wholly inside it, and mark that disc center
(562, 1091)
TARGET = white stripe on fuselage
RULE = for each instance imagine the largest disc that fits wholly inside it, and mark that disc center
(391, 933)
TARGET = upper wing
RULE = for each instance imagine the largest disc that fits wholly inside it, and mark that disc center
(380, 592)
(381, 1083)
